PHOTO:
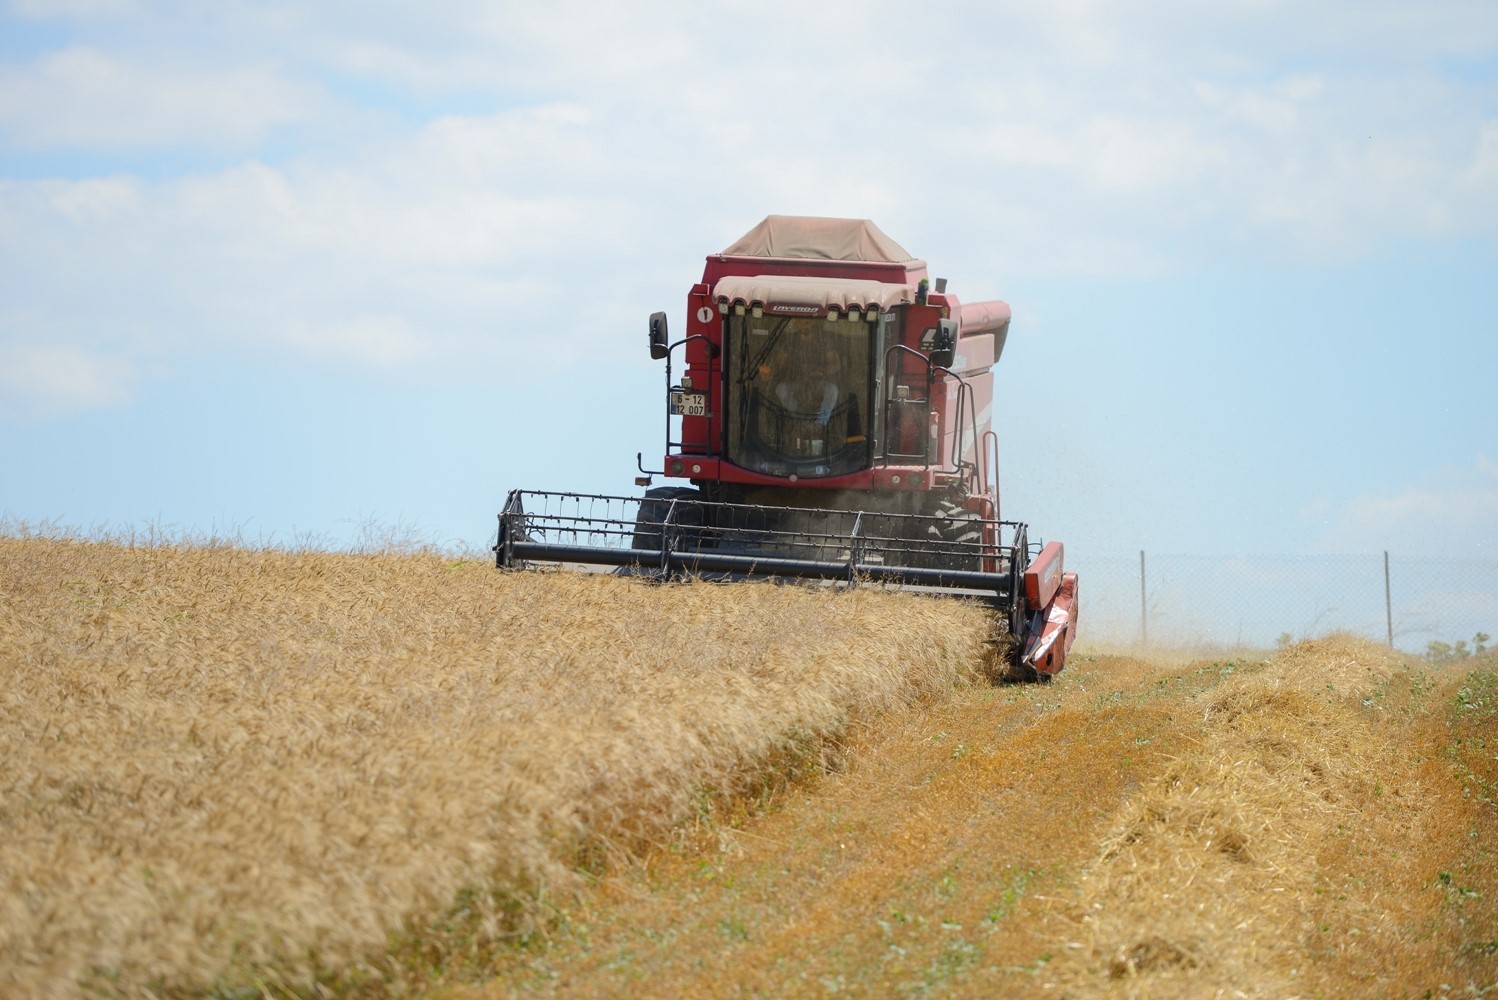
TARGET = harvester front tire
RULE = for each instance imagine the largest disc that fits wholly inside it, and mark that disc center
(955, 537)
(654, 507)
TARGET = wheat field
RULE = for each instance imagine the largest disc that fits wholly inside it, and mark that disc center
(228, 767)
(245, 772)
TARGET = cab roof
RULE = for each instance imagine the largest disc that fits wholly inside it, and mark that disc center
(817, 238)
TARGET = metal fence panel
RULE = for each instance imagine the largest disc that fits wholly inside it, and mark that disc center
(1227, 601)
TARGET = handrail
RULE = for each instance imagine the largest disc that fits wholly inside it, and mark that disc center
(712, 354)
(966, 401)
(991, 472)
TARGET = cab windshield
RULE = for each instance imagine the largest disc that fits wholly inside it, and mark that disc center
(799, 389)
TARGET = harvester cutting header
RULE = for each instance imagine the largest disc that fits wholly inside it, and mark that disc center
(834, 419)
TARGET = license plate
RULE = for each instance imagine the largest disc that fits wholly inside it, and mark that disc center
(689, 404)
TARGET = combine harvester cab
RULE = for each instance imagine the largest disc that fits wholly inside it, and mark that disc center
(833, 418)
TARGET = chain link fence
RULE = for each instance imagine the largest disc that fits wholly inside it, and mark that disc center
(1418, 604)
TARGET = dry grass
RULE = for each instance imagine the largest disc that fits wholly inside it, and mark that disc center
(231, 767)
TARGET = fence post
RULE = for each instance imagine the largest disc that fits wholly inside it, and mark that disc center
(1144, 624)
(1388, 604)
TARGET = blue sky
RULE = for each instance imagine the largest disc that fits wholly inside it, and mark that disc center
(291, 270)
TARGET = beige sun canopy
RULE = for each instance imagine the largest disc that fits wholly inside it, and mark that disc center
(797, 293)
(823, 239)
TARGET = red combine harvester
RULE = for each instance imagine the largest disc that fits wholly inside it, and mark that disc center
(834, 421)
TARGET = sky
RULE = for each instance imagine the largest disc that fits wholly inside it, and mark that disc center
(301, 272)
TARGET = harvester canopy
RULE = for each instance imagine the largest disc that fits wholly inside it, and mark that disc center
(809, 237)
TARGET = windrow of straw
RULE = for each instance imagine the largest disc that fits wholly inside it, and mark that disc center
(1260, 863)
(222, 766)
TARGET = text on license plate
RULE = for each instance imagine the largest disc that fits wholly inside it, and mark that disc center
(689, 404)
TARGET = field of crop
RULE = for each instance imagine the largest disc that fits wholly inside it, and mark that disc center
(226, 770)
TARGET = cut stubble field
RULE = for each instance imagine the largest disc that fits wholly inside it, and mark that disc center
(226, 770)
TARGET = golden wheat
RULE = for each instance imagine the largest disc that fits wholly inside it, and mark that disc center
(224, 765)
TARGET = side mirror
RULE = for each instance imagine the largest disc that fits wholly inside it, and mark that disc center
(940, 343)
(660, 341)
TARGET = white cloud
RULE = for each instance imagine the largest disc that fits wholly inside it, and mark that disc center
(595, 168)
(39, 380)
(445, 253)
(84, 97)
(1455, 514)
(377, 341)
(1276, 108)
(39, 9)
(96, 201)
